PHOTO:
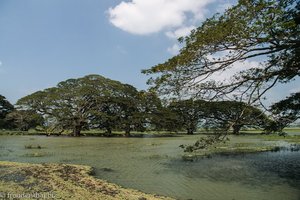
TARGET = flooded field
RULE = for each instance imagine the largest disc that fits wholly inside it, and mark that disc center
(155, 165)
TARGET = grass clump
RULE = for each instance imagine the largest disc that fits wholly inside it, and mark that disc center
(289, 138)
(30, 146)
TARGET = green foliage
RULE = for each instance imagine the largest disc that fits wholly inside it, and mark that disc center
(234, 115)
(264, 29)
(221, 116)
(190, 113)
(5, 109)
(216, 115)
(166, 120)
(23, 120)
(150, 107)
(285, 112)
(92, 102)
(115, 109)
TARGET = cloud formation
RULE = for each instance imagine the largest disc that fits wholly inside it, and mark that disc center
(145, 17)
(180, 32)
(174, 49)
(176, 18)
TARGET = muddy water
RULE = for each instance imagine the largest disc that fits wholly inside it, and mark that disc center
(154, 165)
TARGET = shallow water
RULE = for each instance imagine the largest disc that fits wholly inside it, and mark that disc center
(154, 165)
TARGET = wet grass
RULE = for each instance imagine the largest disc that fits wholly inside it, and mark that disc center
(102, 133)
(289, 138)
(63, 181)
(95, 133)
(229, 149)
(258, 131)
(36, 154)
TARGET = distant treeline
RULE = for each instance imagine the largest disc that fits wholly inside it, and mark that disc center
(96, 102)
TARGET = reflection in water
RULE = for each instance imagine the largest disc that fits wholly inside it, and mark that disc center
(154, 165)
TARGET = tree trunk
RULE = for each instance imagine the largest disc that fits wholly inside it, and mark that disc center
(108, 131)
(77, 130)
(236, 129)
(190, 131)
(127, 131)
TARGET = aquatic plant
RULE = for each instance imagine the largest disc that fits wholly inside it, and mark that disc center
(30, 146)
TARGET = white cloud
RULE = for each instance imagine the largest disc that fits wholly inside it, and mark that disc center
(145, 17)
(180, 32)
(1, 68)
(235, 68)
(176, 18)
(174, 49)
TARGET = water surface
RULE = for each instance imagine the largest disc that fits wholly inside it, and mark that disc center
(154, 165)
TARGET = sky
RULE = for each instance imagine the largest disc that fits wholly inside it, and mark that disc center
(43, 42)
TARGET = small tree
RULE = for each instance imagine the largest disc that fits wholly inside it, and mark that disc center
(5, 109)
(24, 119)
(284, 112)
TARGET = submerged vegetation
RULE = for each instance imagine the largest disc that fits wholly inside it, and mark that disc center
(268, 143)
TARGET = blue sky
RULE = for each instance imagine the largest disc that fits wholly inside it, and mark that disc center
(43, 42)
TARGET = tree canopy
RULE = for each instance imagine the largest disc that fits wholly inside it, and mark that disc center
(215, 115)
(267, 30)
(75, 103)
(234, 115)
(92, 102)
(238, 55)
(189, 113)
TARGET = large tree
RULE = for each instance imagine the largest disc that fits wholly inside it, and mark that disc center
(118, 109)
(265, 30)
(165, 119)
(78, 103)
(150, 111)
(234, 115)
(189, 113)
